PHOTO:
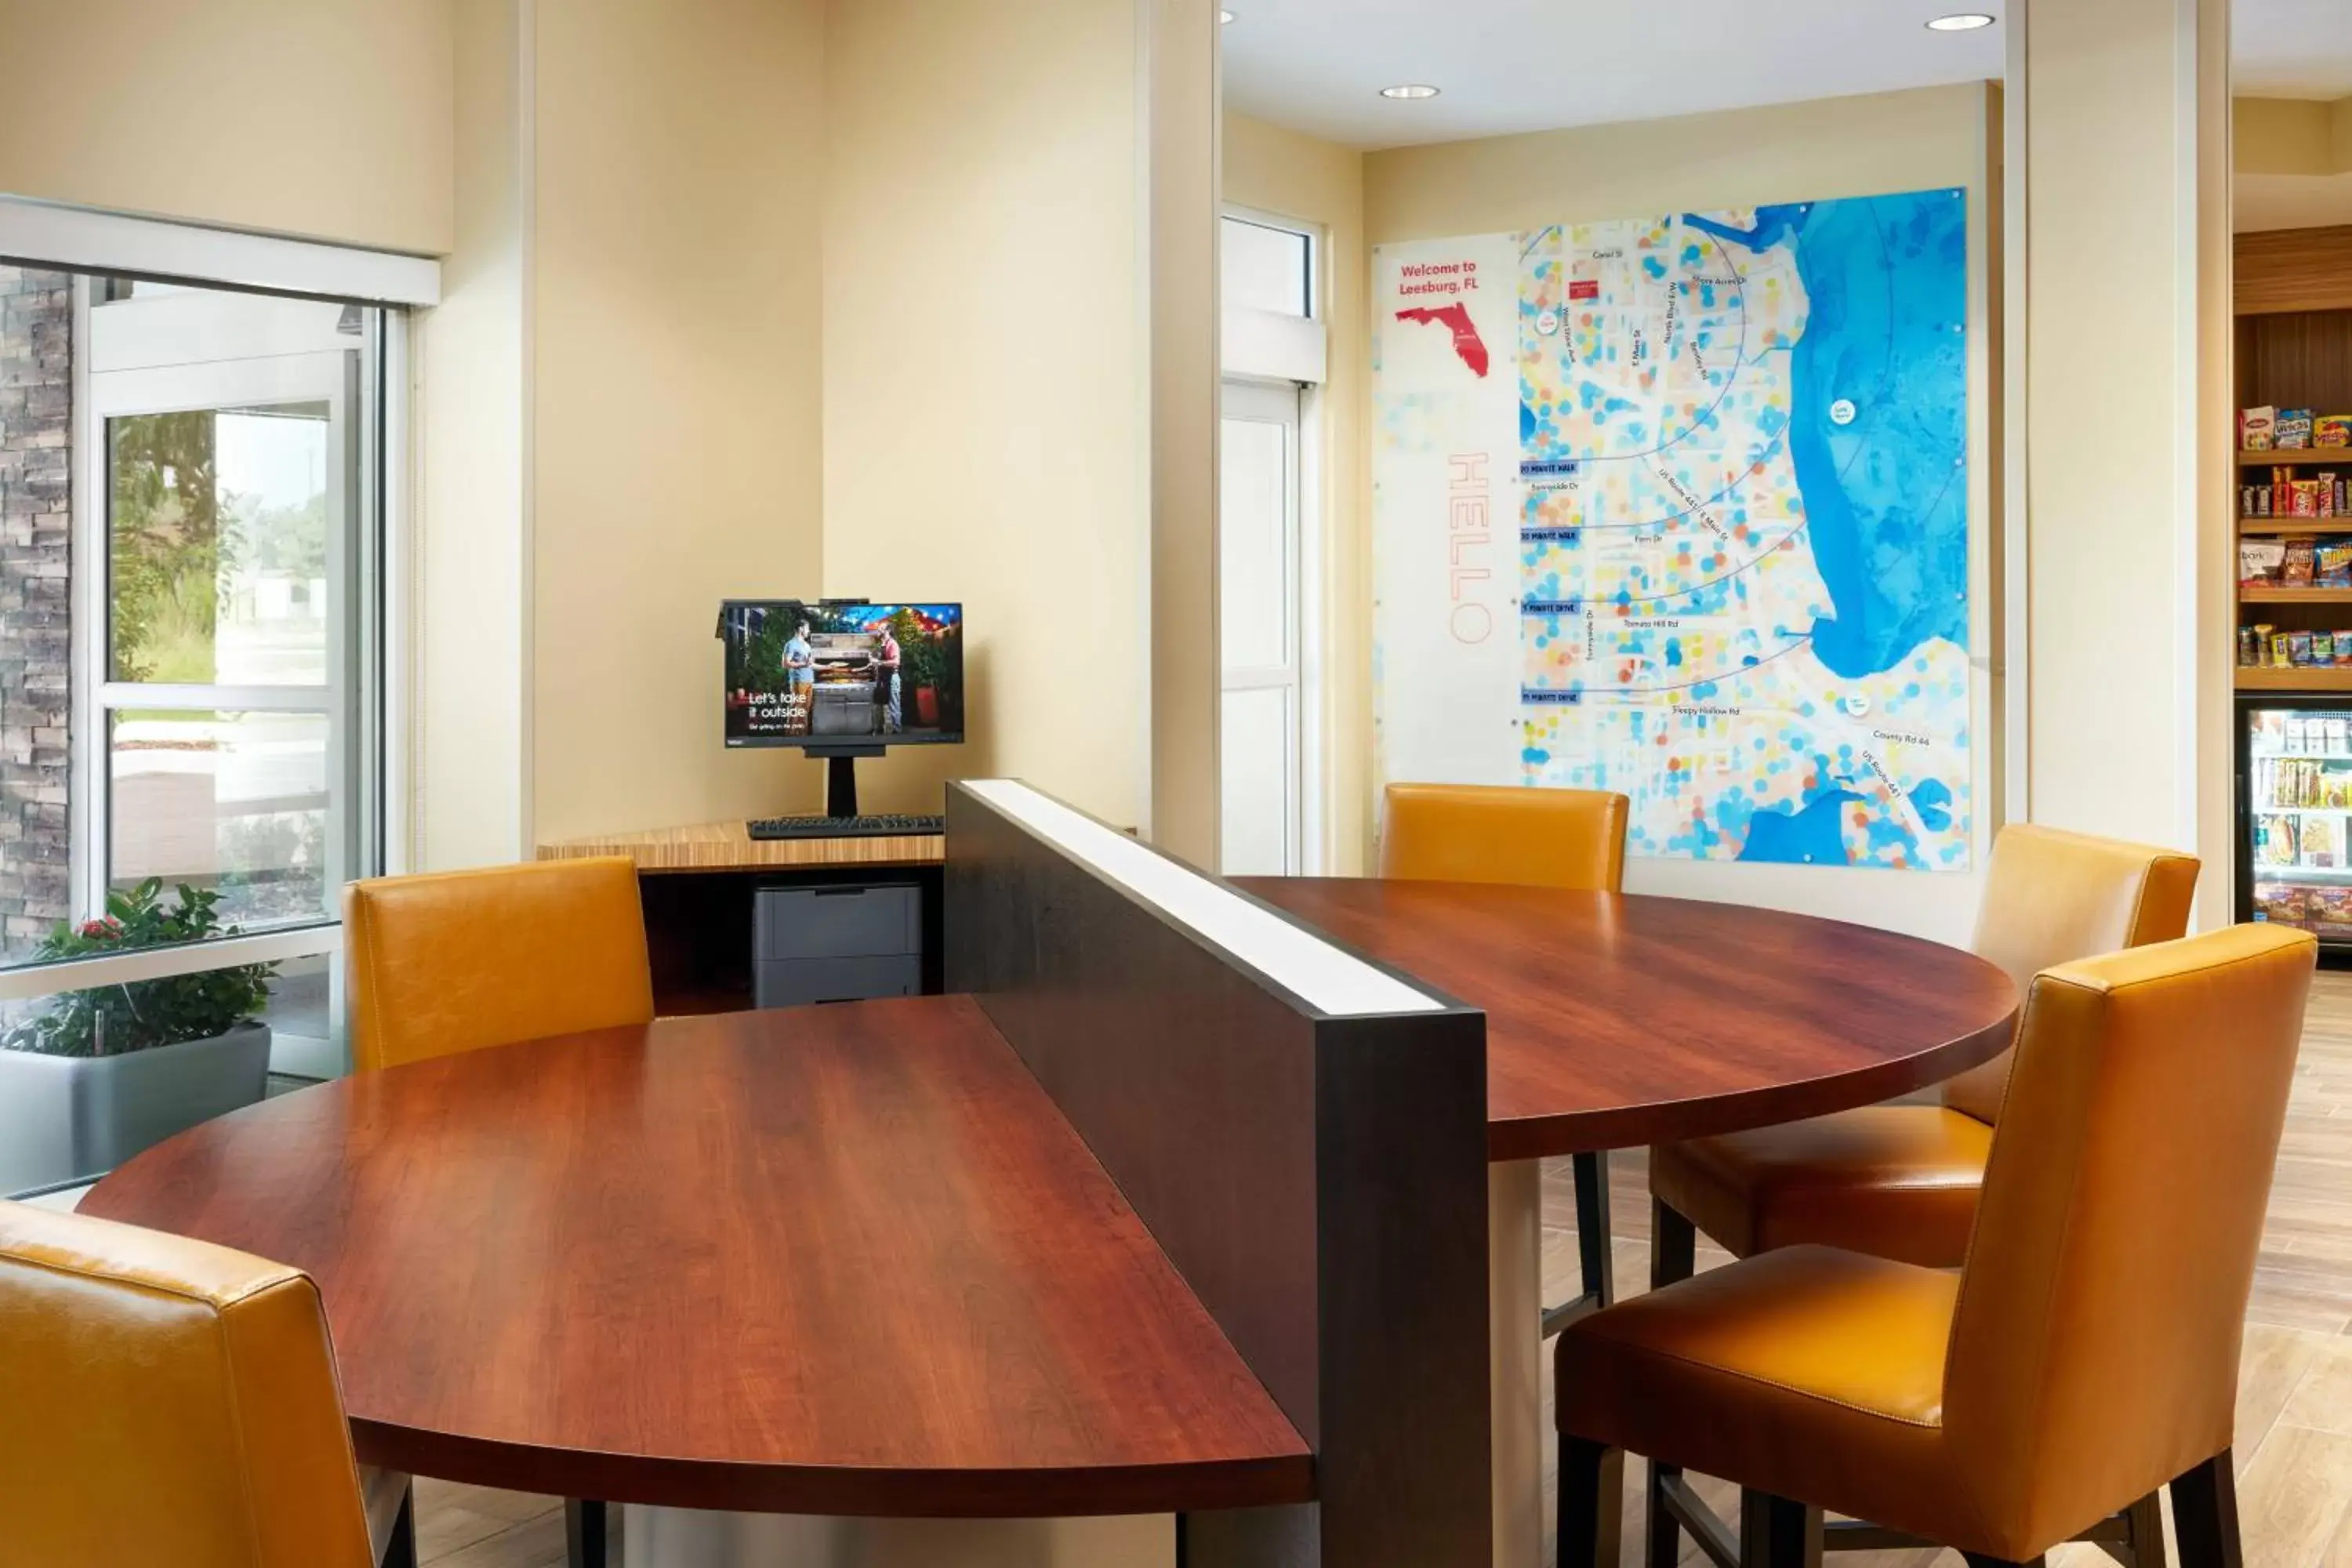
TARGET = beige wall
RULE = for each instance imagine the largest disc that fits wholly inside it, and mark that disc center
(1833, 147)
(1274, 170)
(469, 653)
(984, 368)
(2127, 491)
(329, 119)
(674, 453)
(1180, 102)
(2292, 136)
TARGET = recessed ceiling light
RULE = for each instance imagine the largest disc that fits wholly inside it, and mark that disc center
(1410, 89)
(1223, 17)
(1964, 22)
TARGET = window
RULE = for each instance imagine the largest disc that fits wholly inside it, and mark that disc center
(1264, 268)
(192, 525)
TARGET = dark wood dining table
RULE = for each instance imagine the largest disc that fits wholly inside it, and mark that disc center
(1619, 1020)
(847, 1260)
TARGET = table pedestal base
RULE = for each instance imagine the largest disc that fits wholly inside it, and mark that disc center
(690, 1538)
(1515, 1347)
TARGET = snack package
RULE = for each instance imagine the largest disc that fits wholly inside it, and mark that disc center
(2303, 498)
(2299, 648)
(2331, 564)
(2281, 903)
(2248, 647)
(2295, 568)
(2292, 431)
(2274, 839)
(2329, 910)
(2260, 560)
(2332, 430)
(2321, 841)
(2257, 428)
(2281, 650)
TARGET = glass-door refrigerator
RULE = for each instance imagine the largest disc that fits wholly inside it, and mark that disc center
(2294, 808)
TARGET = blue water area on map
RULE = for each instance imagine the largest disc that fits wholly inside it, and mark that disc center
(1811, 836)
(1885, 496)
(1886, 493)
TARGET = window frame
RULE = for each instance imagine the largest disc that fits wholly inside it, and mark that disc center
(375, 741)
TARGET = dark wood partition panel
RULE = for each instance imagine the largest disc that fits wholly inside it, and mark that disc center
(1320, 1181)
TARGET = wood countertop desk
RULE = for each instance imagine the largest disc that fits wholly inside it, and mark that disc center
(730, 847)
(847, 1260)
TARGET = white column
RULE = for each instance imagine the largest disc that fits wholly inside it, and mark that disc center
(2123, 259)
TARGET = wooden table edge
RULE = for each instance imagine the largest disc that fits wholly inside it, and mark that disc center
(862, 1490)
(1594, 1132)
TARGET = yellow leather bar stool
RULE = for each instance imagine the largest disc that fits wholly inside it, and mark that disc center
(455, 960)
(1532, 837)
(2085, 1355)
(164, 1400)
(458, 961)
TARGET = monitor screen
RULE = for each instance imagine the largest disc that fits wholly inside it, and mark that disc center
(805, 672)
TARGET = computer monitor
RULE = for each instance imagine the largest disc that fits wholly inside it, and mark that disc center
(842, 679)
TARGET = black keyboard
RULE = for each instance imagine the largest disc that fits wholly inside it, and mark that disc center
(888, 824)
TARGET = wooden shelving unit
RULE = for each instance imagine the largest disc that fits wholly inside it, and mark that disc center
(2296, 456)
(2295, 525)
(2308, 679)
(2295, 596)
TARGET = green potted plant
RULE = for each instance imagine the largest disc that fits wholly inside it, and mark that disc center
(100, 1074)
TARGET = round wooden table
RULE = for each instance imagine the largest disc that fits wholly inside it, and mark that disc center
(847, 1260)
(1617, 1020)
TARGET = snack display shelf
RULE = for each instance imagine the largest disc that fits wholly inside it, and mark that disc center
(2253, 596)
(2295, 525)
(2292, 457)
(2312, 678)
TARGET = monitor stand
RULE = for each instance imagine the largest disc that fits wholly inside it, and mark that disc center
(841, 776)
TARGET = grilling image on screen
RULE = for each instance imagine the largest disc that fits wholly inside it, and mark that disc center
(804, 673)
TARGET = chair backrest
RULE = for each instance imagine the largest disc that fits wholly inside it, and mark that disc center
(165, 1401)
(2094, 1346)
(2053, 896)
(1504, 833)
(459, 960)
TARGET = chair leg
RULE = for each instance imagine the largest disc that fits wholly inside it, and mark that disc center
(1777, 1532)
(1673, 1245)
(400, 1546)
(2144, 1524)
(583, 1534)
(1666, 1532)
(2205, 1515)
(1582, 1467)
(1592, 1228)
(1673, 1254)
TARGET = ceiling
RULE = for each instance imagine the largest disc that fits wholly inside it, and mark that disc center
(2288, 48)
(1506, 66)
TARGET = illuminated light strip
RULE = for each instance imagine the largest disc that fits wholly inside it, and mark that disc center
(1333, 981)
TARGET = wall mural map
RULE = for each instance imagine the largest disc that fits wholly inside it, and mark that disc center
(1712, 549)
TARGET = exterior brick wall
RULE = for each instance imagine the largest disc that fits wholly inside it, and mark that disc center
(35, 539)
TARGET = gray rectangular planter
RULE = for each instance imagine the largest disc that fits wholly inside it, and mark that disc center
(63, 1119)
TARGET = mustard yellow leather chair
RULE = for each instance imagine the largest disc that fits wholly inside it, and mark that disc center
(456, 960)
(167, 1401)
(2086, 1354)
(1901, 1181)
(1503, 832)
(1533, 837)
